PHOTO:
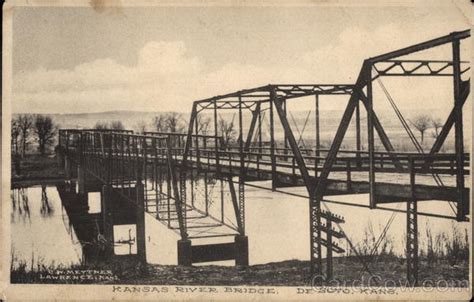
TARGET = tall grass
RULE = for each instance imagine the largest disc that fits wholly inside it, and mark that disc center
(451, 246)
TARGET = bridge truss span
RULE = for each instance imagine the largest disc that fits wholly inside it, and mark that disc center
(194, 182)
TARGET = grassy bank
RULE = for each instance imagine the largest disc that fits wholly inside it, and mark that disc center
(36, 167)
(286, 273)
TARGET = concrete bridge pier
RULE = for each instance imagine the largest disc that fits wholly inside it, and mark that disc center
(106, 200)
(242, 250)
(237, 251)
(140, 221)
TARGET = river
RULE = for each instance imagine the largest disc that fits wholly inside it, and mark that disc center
(276, 225)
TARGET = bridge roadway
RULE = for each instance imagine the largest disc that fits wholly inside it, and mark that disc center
(348, 175)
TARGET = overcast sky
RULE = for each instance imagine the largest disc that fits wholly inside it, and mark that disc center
(162, 58)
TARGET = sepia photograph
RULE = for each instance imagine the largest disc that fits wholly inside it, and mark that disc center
(242, 150)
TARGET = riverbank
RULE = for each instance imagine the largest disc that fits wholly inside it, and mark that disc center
(36, 168)
(347, 270)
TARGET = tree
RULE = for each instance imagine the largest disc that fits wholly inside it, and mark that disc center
(173, 123)
(421, 123)
(15, 135)
(101, 126)
(141, 127)
(203, 124)
(227, 131)
(25, 123)
(159, 122)
(45, 131)
(116, 125)
(437, 124)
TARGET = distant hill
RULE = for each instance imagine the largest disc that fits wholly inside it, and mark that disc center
(329, 119)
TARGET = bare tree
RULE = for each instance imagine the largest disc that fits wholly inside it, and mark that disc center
(101, 126)
(45, 131)
(421, 123)
(203, 124)
(141, 127)
(116, 125)
(437, 124)
(160, 123)
(227, 131)
(174, 123)
(15, 135)
(25, 123)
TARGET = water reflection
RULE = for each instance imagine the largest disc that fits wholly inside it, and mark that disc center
(44, 226)
(41, 235)
(46, 209)
(20, 205)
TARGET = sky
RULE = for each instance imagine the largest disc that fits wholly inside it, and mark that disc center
(92, 59)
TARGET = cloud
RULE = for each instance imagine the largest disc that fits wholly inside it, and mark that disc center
(166, 77)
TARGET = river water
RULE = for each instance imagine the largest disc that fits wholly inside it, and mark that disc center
(276, 224)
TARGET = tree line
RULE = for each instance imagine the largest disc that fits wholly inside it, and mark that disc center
(175, 123)
(424, 122)
(26, 128)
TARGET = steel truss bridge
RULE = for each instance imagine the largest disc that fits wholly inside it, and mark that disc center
(194, 182)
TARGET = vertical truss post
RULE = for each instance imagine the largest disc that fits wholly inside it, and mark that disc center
(107, 217)
(329, 264)
(216, 134)
(370, 136)
(191, 180)
(241, 216)
(458, 132)
(222, 199)
(182, 195)
(241, 142)
(260, 137)
(168, 190)
(412, 230)
(272, 138)
(237, 202)
(358, 140)
(206, 194)
(196, 146)
(141, 206)
(317, 152)
(242, 205)
(315, 236)
(284, 134)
